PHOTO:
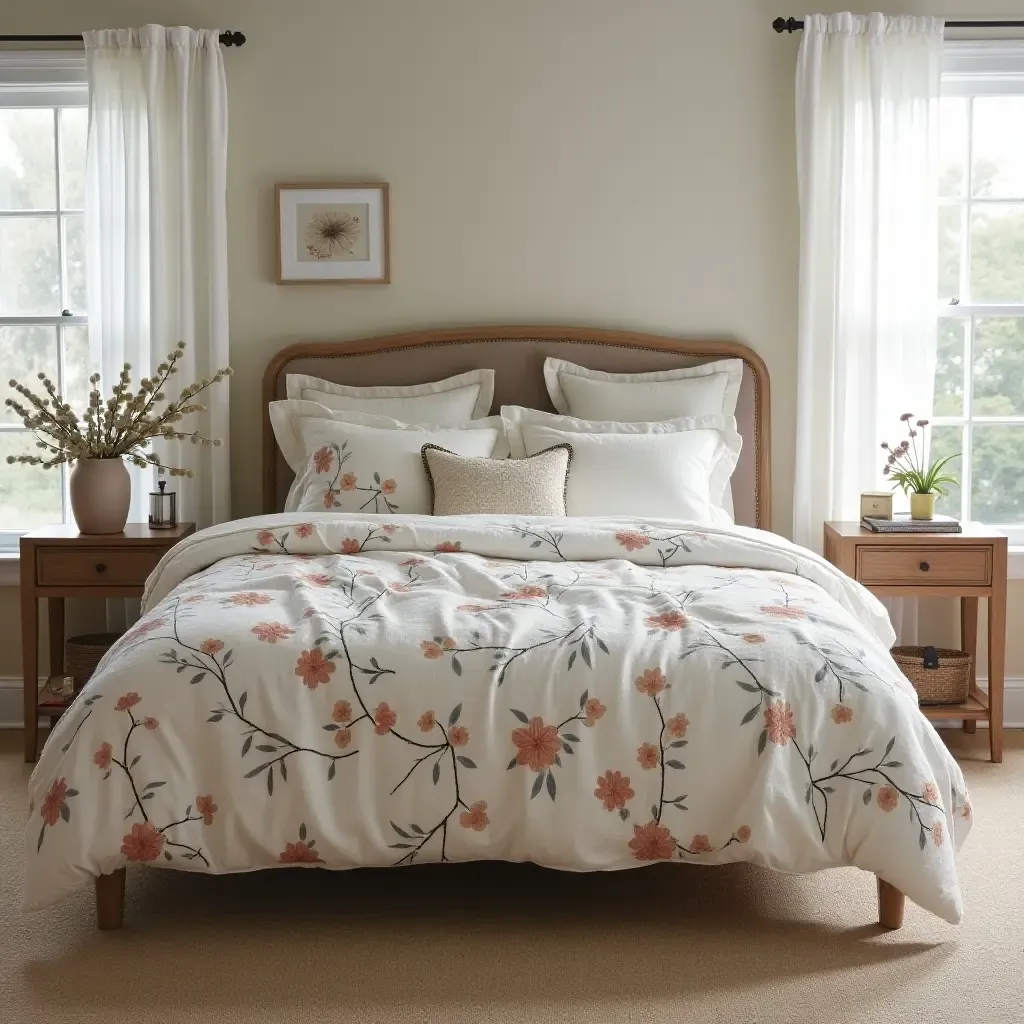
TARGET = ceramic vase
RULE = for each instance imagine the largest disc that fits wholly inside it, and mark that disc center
(922, 506)
(101, 493)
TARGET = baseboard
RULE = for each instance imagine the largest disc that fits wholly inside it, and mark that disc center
(11, 713)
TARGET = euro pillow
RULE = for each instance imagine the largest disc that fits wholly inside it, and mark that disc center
(705, 390)
(447, 402)
(534, 486)
(351, 462)
(677, 469)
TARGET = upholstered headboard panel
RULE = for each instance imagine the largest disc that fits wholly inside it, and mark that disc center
(517, 355)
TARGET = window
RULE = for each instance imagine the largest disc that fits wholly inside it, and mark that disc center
(979, 385)
(43, 122)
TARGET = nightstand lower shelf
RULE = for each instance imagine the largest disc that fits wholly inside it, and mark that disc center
(975, 708)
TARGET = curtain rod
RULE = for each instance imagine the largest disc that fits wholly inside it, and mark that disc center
(226, 39)
(792, 25)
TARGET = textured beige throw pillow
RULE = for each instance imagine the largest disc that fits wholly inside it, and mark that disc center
(463, 485)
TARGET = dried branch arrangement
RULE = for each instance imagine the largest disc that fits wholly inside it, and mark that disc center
(120, 427)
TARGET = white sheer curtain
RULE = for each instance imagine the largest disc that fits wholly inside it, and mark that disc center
(867, 156)
(156, 232)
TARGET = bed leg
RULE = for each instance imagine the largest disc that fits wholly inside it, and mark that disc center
(110, 901)
(891, 904)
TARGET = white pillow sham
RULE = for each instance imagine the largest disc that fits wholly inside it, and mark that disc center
(709, 389)
(382, 468)
(453, 400)
(677, 468)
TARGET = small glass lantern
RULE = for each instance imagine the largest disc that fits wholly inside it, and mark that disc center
(163, 508)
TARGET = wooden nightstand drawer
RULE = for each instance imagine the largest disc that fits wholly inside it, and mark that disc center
(111, 567)
(881, 566)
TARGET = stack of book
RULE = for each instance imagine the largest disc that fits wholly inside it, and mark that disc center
(902, 523)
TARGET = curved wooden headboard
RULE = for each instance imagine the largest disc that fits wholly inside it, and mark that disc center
(517, 355)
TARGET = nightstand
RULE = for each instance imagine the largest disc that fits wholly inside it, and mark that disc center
(967, 565)
(59, 562)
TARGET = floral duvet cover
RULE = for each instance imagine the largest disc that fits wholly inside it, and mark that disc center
(588, 694)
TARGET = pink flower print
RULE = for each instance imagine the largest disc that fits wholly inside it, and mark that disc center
(384, 719)
(677, 726)
(271, 632)
(250, 598)
(593, 710)
(778, 720)
(538, 744)
(652, 842)
(613, 790)
(458, 736)
(930, 792)
(888, 798)
(350, 546)
(669, 621)
(426, 721)
(841, 714)
(476, 817)
(343, 737)
(937, 833)
(151, 723)
(128, 701)
(206, 808)
(144, 843)
(348, 482)
(304, 530)
(388, 487)
(322, 459)
(54, 800)
(632, 540)
(314, 668)
(342, 711)
(211, 646)
(647, 756)
(652, 682)
(264, 538)
(700, 844)
(298, 853)
(743, 834)
(103, 756)
(448, 547)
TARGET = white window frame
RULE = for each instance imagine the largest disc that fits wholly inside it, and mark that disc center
(972, 69)
(54, 79)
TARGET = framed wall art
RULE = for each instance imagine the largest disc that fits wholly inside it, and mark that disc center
(332, 234)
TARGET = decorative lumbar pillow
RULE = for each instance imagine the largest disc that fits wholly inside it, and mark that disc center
(644, 397)
(447, 402)
(352, 462)
(676, 469)
(532, 486)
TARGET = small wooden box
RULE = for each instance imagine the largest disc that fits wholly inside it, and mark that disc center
(877, 504)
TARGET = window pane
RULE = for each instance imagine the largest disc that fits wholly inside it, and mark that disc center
(949, 369)
(953, 146)
(29, 495)
(74, 124)
(948, 441)
(29, 279)
(27, 162)
(999, 367)
(997, 253)
(74, 262)
(950, 220)
(77, 367)
(997, 484)
(999, 147)
(24, 352)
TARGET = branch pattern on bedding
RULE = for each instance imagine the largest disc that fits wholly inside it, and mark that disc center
(587, 694)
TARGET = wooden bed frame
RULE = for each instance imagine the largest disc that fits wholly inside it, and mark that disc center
(517, 354)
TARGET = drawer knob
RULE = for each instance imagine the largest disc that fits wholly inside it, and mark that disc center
(925, 567)
(100, 567)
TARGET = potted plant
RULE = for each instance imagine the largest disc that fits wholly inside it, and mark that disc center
(107, 433)
(922, 480)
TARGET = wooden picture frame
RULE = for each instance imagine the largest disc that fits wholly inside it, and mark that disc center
(331, 233)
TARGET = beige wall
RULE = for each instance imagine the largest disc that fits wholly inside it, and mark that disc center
(626, 164)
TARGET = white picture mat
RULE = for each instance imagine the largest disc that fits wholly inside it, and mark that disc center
(331, 270)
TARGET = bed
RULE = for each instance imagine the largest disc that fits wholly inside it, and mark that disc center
(335, 690)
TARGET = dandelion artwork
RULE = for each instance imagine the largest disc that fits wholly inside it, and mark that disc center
(332, 233)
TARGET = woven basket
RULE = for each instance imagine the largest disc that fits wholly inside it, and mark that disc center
(83, 653)
(947, 684)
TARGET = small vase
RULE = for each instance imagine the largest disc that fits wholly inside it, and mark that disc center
(922, 506)
(101, 494)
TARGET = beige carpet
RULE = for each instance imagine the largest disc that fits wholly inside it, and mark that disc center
(495, 944)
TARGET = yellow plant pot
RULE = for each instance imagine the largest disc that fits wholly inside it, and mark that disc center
(922, 506)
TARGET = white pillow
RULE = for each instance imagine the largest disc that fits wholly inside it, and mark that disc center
(382, 469)
(644, 397)
(677, 469)
(453, 400)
